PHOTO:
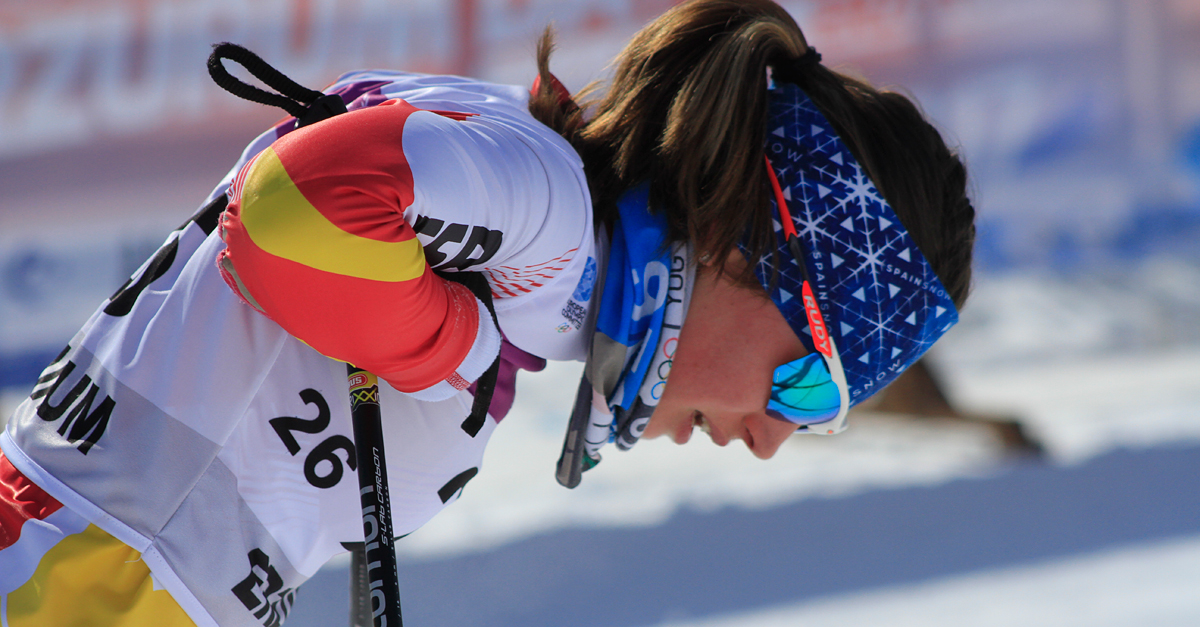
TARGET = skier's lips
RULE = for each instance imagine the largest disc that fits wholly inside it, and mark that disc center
(683, 431)
(683, 434)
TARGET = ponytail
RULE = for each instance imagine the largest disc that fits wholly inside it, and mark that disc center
(549, 101)
(686, 111)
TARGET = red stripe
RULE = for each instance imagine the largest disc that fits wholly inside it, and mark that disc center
(522, 284)
(537, 267)
(503, 288)
(457, 382)
(457, 116)
(504, 276)
(353, 170)
(413, 334)
(785, 216)
(523, 273)
(496, 284)
(523, 281)
(235, 189)
(20, 500)
(504, 282)
(563, 257)
(526, 279)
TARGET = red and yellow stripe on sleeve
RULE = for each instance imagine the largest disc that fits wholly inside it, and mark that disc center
(317, 241)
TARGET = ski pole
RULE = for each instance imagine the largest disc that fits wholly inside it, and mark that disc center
(379, 549)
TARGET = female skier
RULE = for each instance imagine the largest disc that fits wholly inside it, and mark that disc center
(780, 239)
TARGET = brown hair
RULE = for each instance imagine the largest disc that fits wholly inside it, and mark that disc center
(686, 110)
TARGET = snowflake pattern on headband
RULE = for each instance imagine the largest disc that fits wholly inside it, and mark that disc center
(882, 301)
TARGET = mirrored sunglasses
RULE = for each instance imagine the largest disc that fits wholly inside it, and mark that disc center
(810, 391)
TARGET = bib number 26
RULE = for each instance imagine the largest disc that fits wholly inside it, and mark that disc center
(321, 475)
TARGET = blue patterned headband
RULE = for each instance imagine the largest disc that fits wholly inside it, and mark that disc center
(882, 302)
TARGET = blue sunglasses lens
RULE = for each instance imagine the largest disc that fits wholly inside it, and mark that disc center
(804, 392)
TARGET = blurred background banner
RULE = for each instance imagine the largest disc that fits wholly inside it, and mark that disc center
(1080, 121)
(1080, 124)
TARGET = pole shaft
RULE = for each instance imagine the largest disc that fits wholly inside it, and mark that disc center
(382, 576)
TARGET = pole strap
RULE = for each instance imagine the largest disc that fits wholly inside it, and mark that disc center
(304, 104)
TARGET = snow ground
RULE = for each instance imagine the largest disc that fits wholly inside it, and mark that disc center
(1153, 584)
(1058, 543)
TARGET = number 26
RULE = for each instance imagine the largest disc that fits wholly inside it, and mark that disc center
(325, 451)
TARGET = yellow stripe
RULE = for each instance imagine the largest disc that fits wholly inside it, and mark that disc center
(93, 579)
(283, 223)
